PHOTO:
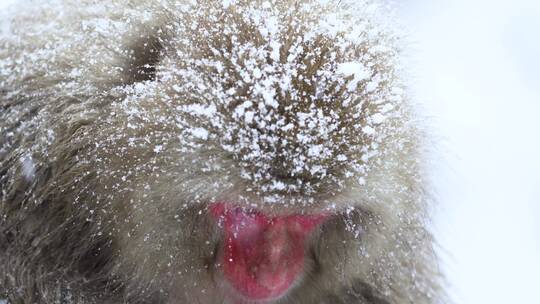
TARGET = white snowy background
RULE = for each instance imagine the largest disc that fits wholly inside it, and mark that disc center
(476, 66)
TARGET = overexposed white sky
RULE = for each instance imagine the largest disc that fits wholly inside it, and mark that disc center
(477, 73)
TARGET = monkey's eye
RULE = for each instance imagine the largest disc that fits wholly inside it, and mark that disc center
(143, 56)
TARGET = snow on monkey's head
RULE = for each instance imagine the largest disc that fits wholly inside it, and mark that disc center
(286, 99)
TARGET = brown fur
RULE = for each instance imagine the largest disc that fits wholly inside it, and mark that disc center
(91, 213)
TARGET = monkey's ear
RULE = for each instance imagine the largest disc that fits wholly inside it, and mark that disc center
(143, 56)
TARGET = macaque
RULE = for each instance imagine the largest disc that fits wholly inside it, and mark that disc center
(213, 151)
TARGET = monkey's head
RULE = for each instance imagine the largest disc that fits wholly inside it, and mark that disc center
(249, 151)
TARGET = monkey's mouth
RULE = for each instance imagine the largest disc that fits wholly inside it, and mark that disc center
(262, 257)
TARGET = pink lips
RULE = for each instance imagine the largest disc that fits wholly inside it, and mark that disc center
(263, 256)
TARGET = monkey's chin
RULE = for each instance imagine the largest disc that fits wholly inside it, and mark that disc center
(262, 257)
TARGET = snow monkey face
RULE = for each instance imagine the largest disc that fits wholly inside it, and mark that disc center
(253, 147)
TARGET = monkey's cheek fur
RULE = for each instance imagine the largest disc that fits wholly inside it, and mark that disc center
(263, 256)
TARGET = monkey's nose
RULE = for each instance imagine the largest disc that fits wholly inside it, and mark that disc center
(263, 256)
(277, 240)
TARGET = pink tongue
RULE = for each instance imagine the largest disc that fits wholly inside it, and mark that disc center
(263, 256)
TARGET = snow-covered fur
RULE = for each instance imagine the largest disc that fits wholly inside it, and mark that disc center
(121, 120)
